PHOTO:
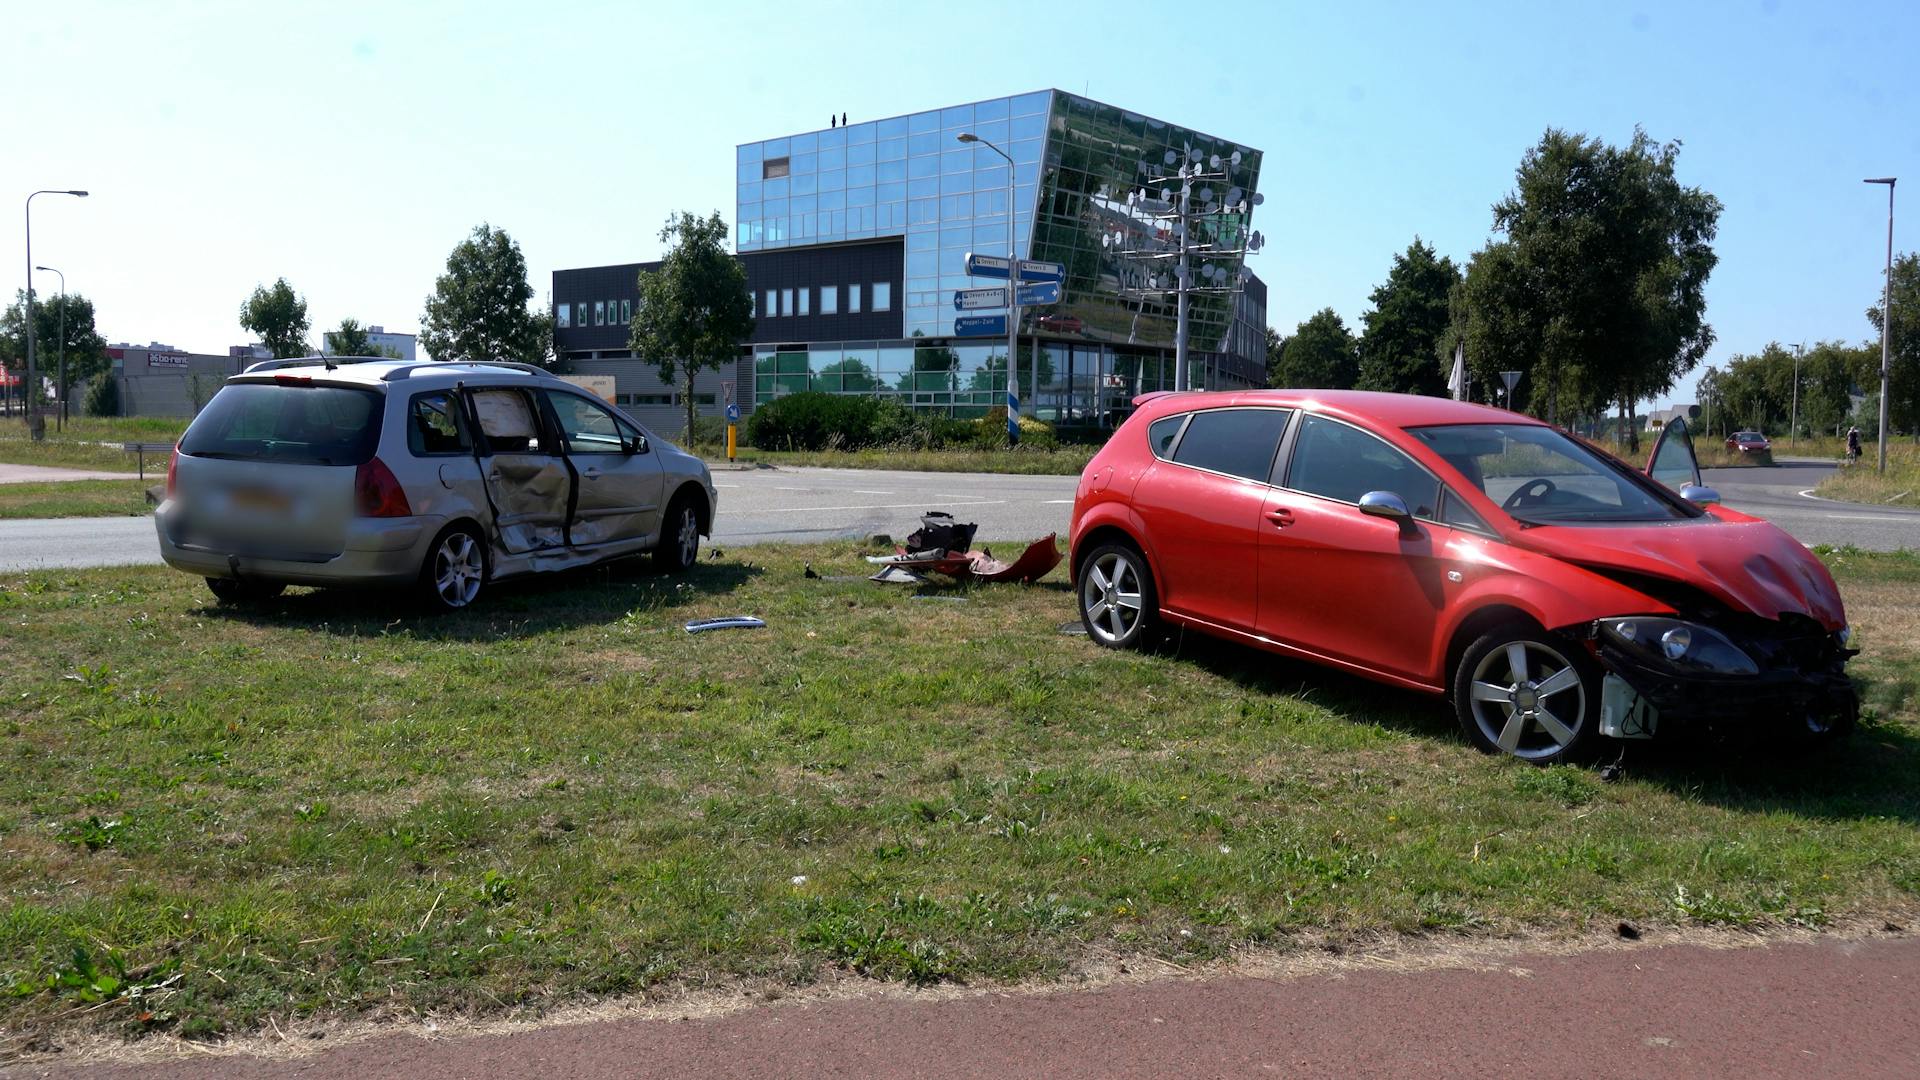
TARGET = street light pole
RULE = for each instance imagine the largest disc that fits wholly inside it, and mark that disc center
(60, 418)
(36, 427)
(1793, 425)
(1886, 317)
(1013, 300)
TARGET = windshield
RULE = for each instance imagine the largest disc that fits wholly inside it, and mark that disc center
(296, 423)
(1541, 476)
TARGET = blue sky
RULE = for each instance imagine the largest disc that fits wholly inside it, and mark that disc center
(348, 147)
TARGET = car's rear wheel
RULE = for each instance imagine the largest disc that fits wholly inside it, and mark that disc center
(1524, 692)
(237, 591)
(679, 536)
(455, 569)
(1117, 601)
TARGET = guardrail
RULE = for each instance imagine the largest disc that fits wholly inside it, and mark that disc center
(143, 449)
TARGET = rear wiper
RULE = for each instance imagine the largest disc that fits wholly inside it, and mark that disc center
(219, 455)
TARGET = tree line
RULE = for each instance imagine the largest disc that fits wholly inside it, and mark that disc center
(1592, 286)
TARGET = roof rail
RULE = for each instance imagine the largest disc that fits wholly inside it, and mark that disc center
(409, 369)
(310, 361)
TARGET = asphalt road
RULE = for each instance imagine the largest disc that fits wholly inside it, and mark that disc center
(1825, 1008)
(759, 506)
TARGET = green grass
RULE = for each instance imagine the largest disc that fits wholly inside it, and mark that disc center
(80, 445)
(77, 498)
(1066, 461)
(1863, 482)
(334, 806)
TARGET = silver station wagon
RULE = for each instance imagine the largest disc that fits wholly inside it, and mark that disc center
(438, 477)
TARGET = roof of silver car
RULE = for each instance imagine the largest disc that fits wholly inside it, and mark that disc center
(387, 369)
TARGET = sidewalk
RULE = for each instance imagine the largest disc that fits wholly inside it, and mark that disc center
(33, 474)
(1821, 1007)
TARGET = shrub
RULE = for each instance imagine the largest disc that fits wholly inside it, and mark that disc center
(817, 421)
(103, 395)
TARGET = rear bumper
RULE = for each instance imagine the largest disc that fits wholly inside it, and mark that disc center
(378, 551)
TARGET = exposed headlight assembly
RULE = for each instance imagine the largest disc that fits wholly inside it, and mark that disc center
(1680, 645)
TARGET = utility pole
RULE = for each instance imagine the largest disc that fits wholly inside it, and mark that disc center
(1793, 425)
(36, 427)
(1886, 318)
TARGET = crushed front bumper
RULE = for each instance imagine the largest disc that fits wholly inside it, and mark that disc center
(1802, 685)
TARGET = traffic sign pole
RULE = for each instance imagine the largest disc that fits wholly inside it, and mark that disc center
(733, 425)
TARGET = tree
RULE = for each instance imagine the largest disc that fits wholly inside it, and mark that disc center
(1402, 333)
(1596, 288)
(351, 339)
(279, 317)
(85, 349)
(855, 375)
(1276, 356)
(1319, 355)
(478, 308)
(1903, 349)
(694, 311)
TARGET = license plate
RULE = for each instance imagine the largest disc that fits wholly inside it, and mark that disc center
(260, 499)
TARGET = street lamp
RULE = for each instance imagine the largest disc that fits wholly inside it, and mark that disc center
(60, 418)
(1013, 301)
(36, 427)
(1886, 316)
(1793, 425)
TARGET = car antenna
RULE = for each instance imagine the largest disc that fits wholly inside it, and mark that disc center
(327, 362)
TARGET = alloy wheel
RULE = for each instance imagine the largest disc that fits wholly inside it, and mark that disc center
(688, 536)
(1529, 700)
(457, 569)
(1110, 597)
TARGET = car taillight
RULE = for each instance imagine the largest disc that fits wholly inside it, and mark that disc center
(173, 471)
(376, 493)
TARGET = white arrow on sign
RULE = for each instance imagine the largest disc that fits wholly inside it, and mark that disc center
(1040, 294)
(979, 299)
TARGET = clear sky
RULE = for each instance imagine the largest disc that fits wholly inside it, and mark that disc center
(348, 148)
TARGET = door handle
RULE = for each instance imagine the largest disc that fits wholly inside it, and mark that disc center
(592, 472)
(494, 475)
(1281, 518)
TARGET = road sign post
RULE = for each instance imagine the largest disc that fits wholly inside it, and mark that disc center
(1512, 379)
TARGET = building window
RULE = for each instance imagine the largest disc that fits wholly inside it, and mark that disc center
(786, 301)
(563, 315)
(773, 168)
(773, 307)
(853, 299)
(626, 311)
(829, 299)
(599, 313)
(753, 303)
(580, 314)
(882, 296)
(806, 301)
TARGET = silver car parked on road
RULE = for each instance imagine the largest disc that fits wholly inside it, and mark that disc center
(435, 476)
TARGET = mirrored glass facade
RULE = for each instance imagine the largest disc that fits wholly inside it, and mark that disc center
(1073, 160)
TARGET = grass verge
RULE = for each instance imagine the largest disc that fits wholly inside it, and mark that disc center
(211, 817)
(1066, 461)
(76, 498)
(1863, 482)
(91, 442)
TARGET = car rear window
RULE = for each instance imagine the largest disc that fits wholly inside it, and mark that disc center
(296, 423)
(1238, 442)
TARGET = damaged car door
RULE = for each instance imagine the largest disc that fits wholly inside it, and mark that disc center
(621, 479)
(525, 473)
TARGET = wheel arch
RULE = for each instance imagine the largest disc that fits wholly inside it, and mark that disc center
(1470, 629)
(693, 490)
(1105, 532)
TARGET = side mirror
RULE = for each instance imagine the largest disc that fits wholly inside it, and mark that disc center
(637, 445)
(1385, 504)
(1699, 496)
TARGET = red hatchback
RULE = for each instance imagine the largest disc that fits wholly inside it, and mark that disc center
(1554, 594)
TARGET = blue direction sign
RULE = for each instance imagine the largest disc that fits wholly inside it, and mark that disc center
(979, 299)
(980, 326)
(733, 413)
(996, 266)
(1039, 295)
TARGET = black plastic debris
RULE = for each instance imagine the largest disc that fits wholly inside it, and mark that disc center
(725, 622)
(939, 532)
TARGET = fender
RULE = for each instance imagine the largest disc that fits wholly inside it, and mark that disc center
(1110, 512)
(1550, 591)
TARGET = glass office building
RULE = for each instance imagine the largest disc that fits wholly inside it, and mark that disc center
(856, 237)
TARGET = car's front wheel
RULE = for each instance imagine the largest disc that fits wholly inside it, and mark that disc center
(455, 569)
(1524, 692)
(1117, 601)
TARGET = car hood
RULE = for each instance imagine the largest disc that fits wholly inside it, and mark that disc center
(1744, 562)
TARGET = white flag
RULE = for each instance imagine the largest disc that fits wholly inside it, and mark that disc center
(1457, 381)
